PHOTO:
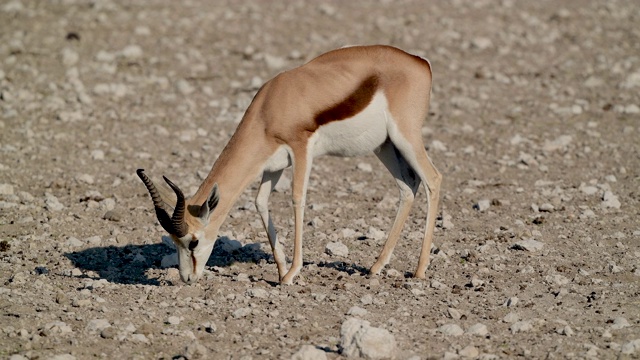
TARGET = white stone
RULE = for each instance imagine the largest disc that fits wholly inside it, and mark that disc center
(470, 352)
(481, 43)
(309, 352)
(359, 339)
(97, 325)
(528, 245)
(337, 249)
(483, 205)
(633, 80)
(451, 330)
(366, 167)
(173, 320)
(521, 326)
(609, 200)
(132, 52)
(559, 143)
(195, 350)
(620, 323)
(6, 189)
(53, 203)
(69, 57)
(511, 302)
(631, 347)
(357, 311)
(242, 312)
(257, 293)
(478, 329)
(438, 145)
(375, 234)
(93, 240)
(85, 178)
(454, 313)
(511, 318)
(565, 330)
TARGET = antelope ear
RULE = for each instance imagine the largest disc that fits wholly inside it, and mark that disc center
(210, 204)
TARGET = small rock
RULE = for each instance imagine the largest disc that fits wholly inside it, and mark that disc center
(85, 178)
(511, 318)
(132, 52)
(528, 245)
(6, 189)
(94, 240)
(357, 311)
(450, 330)
(375, 234)
(208, 326)
(309, 352)
(511, 302)
(112, 215)
(365, 167)
(470, 352)
(241, 312)
(631, 348)
(337, 249)
(97, 325)
(454, 313)
(139, 338)
(257, 293)
(558, 144)
(173, 320)
(481, 43)
(195, 350)
(52, 203)
(358, 338)
(74, 242)
(478, 329)
(565, 330)
(482, 205)
(108, 333)
(614, 269)
(609, 200)
(620, 323)
(521, 326)
(367, 299)
(546, 207)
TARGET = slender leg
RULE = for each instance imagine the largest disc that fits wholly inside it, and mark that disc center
(269, 181)
(408, 183)
(414, 153)
(301, 168)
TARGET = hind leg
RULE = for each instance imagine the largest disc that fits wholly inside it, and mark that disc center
(413, 151)
(408, 183)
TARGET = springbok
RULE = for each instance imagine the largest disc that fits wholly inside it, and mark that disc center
(346, 102)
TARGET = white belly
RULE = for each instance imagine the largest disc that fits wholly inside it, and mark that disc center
(354, 136)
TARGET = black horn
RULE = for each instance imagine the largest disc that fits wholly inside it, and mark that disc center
(172, 224)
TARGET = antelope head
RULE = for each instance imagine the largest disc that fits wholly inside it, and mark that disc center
(186, 226)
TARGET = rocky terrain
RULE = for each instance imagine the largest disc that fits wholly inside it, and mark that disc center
(535, 125)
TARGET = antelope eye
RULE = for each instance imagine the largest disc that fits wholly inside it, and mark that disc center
(193, 244)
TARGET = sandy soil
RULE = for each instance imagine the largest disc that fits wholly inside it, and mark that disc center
(535, 125)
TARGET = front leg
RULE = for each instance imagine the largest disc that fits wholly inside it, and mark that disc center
(301, 168)
(269, 181)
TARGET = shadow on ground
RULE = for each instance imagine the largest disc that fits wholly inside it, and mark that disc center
(129, 264)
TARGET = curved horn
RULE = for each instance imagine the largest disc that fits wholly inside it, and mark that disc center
(161, 209)
(177, 220)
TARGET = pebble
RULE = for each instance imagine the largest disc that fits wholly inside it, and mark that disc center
(241, 312)
(74, 242)
(359, 339)
(470, 352)
(257, 293)
(195, 350)
(97, 325)
(482, 205)
(367, 299)
(565, 330)
(94, 240)
(610, 201)
(52, 203)
(173, 320)
(451, 330)
(108, 333)
(337, 249)
(112, 215)
(511, 318)
(357, 311)
(6, 189)
(365, 167)
(454, 313)
(309, 352)
(521, 326)
(620, 323)
(511, 302)
(630, 348)
(132, 52)
(478, 329)
(528, 245)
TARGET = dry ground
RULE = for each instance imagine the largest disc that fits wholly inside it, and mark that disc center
(534, 124)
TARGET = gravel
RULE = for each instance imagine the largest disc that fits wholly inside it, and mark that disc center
(89, 94)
